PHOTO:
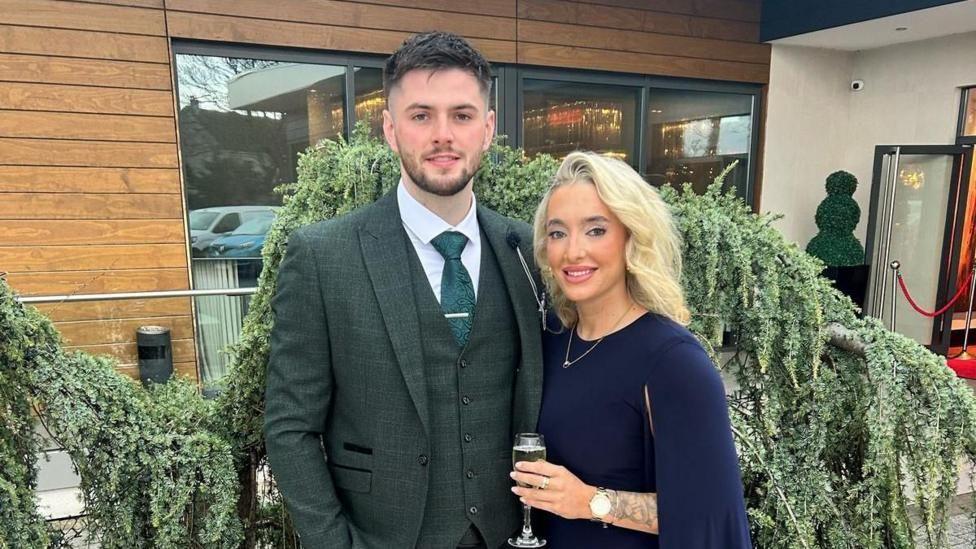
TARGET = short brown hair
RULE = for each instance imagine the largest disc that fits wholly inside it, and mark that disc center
(435, 51)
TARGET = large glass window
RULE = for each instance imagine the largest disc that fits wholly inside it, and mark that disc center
(693, 135)
(561, 117)
(243, 123)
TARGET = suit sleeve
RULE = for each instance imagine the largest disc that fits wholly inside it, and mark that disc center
(299, 392)
(700, 501)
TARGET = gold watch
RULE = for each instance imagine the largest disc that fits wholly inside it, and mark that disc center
(600, 505)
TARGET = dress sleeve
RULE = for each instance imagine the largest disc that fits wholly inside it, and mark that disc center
(700, 501)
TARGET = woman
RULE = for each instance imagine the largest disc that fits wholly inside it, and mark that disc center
(633, 411)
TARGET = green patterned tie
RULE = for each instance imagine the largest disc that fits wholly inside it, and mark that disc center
(457, 292)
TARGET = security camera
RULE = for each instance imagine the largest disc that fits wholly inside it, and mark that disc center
(857, 85)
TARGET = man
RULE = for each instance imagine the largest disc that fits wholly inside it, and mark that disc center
(406, 349)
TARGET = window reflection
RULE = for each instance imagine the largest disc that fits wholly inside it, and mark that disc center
(969, 126)
(369, 98)
(692, 136)
(561, 117)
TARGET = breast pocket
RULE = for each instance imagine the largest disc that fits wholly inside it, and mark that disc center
(351, 478)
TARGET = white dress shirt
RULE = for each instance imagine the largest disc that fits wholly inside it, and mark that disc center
(422, 225)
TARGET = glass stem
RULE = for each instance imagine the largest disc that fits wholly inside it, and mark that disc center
(526, 521)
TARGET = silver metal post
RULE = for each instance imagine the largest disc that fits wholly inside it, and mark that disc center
(969, 316)
(889, 223)
(895, 265)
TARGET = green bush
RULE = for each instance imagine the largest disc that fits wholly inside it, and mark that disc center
(837, 217)
(827, 438)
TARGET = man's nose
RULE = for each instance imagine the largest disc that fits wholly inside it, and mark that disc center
(442, 130)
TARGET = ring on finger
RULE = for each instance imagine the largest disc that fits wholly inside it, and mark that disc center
(545, 483)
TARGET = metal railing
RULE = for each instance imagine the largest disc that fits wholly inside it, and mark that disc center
(136, 295)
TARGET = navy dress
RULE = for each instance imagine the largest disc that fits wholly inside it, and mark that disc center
(595, 424)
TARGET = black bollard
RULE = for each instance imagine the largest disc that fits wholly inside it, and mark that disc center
(155, 354)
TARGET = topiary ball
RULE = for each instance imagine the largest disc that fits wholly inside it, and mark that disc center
(841, 182)
(838, 213)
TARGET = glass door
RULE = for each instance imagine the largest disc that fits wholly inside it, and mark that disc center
(917, 213)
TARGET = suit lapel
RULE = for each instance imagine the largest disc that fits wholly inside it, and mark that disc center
(385, 247)
(528, 387)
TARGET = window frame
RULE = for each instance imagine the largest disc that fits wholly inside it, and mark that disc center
(509, 90)
(961, 137)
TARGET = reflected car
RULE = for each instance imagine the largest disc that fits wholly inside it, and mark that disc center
(208, 224)
(245, 241)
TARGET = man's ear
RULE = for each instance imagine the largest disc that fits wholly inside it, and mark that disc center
(388, 131)
(489, 130)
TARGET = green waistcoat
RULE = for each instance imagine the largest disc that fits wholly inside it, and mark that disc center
(470, 398)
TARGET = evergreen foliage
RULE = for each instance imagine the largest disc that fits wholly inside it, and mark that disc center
(837, 217)
(828, 439)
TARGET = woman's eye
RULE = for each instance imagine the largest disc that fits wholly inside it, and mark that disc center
(597, 231)
(554, 235)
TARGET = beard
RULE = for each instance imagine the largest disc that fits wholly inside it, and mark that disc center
(448, 187)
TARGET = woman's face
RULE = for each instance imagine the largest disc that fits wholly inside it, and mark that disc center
(585, 245)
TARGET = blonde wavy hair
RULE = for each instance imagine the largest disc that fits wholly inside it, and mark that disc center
(653, 249)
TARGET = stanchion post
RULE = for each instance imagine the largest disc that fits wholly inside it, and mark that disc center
(969, 316)
(895, 266)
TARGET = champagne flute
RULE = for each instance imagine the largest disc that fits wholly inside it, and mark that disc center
(527, 447)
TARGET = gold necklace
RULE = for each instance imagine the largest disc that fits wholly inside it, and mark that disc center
(567, 362)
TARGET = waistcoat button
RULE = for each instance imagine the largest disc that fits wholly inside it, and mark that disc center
(423, 460)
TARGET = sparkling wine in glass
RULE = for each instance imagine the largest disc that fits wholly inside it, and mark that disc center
(527, 447)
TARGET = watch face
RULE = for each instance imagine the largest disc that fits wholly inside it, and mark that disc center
(600, 505)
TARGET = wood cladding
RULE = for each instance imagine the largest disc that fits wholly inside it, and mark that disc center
(90, 190)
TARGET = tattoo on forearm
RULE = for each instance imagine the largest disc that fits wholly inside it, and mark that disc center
(639, 508)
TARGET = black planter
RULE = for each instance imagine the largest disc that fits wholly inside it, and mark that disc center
(852, 281)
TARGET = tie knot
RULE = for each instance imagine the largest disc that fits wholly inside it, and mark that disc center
(450, 244)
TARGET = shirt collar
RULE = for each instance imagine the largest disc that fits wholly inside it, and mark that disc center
(425, 224)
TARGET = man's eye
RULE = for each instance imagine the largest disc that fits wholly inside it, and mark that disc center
(420, 116)
(464, 116)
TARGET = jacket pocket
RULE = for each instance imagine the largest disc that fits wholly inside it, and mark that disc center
(351, 478)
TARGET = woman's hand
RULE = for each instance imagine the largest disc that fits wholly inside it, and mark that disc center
(562, 494)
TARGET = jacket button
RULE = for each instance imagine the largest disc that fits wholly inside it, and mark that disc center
(469, 474)
(473, 510)
(463, 363)
(423, 460)
(468, 437)
(466, 400)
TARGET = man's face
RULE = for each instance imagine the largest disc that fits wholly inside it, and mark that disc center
(439, 124)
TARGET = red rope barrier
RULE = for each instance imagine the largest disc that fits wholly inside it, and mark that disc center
(959, 293)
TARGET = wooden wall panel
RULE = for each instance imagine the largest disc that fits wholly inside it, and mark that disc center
(97, 127)
(129, 308)
(48, 206)
(587, 58)
(594, 15)
(76, 43)
(84, 99)
(305, 35)
(98, 282)
(101, 332)
(355, 15)
(642, 42)
(77, 15)
(57, 179)
(85, 72)
(87, 257)
(92, 232)
(504, 8)
(71, 152)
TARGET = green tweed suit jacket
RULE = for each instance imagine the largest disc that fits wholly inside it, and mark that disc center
(346, 418)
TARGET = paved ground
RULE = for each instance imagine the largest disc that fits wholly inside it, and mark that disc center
(962, 531)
